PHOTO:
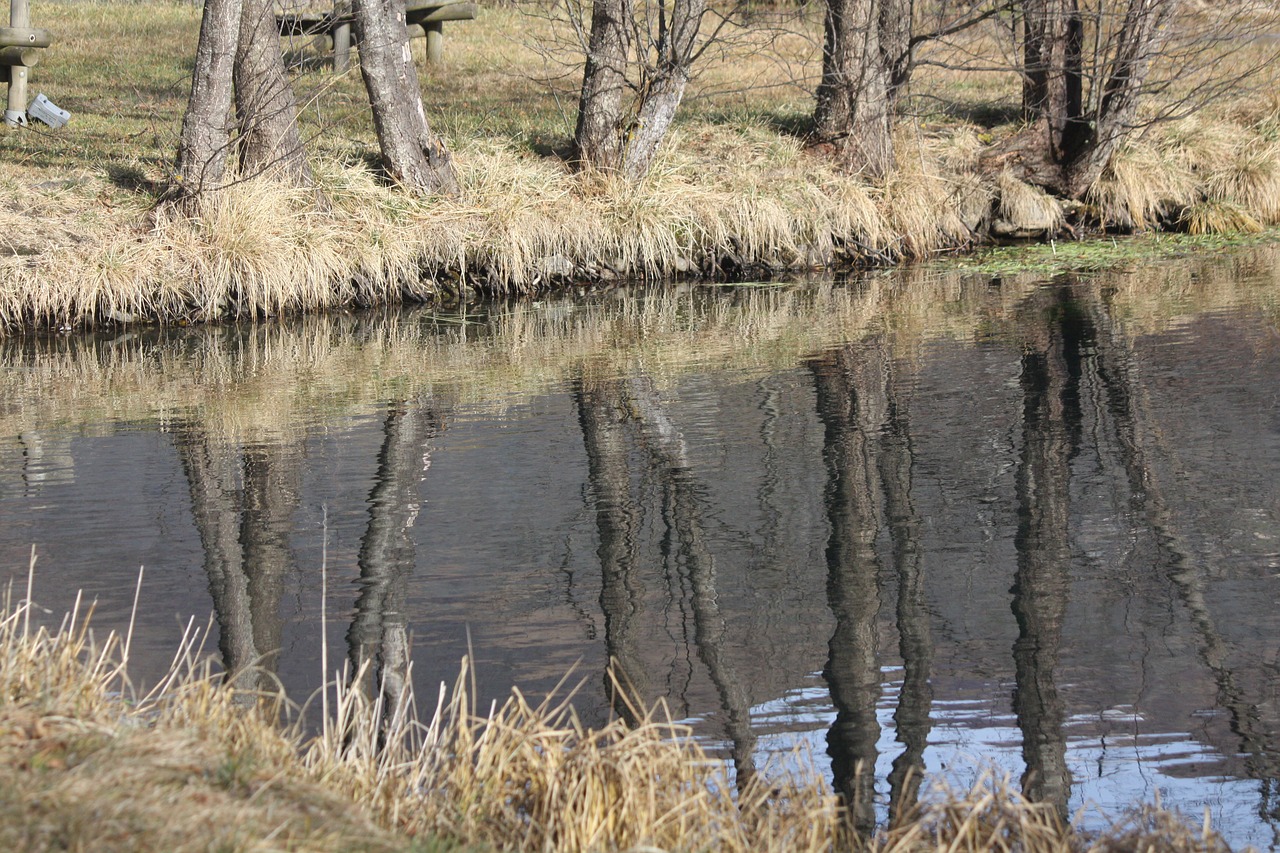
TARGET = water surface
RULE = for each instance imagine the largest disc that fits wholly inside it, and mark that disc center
(915, 521)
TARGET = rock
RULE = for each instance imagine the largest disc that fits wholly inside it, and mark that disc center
(555, 266)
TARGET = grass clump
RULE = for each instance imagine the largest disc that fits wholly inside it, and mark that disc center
(195, 764)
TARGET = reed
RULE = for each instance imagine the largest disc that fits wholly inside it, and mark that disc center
(194, 764)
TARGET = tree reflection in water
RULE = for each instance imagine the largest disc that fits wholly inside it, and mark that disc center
(1051, 423)
(1082, 419)
(624, 424)
(1163, 548)
(864, 408)
(242, 503)
(378, 639)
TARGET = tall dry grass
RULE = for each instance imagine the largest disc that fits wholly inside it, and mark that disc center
(734, 193)
(521, 225)
(193, 764)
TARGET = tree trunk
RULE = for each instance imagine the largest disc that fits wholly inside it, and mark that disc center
(1138, 42)
(604, 139)
(663, 94)
(597, 141)
(896, 17)
(266, 110)
(206, 129)
(853, 112)
(1051, 84)
(412, 155)
(1072, 143)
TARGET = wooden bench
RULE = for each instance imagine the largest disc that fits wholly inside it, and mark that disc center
(423, 19)
(20, 45)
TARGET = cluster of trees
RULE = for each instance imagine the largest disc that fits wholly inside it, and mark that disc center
(239, 54)
(1084, 69)
(1084, 65)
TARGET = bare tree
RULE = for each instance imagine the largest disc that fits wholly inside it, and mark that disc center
(597, 141)
(869, 53)
(412, 154)
(238, 51)
(266, 109)
(206, 128)
(1085, 71)
(854, 112)
(639, 58)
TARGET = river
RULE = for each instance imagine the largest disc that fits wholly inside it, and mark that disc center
(924, 521)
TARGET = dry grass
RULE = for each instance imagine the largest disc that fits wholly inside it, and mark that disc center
(734, 192)
(1027, 208)
(194, 765)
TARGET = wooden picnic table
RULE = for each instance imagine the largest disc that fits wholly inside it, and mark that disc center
(423, 19)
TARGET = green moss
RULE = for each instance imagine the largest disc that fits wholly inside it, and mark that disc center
(1056, 258)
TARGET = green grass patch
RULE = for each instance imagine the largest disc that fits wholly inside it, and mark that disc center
(1099, 255)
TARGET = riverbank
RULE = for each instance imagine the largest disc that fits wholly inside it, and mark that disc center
(736, 195)
(193, 764)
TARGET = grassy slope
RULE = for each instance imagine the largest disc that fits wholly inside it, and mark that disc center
(734, 191)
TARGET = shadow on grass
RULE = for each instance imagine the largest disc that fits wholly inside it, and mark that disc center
(986, 114)
(133, 179)
(551, 146)
(784, 122)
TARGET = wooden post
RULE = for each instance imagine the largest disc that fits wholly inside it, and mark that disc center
(28, 56)
(341, 48)
(435, 42)
(342, 36)
(16, 108)
(15, 112)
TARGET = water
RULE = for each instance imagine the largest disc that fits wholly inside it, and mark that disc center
(914, 521)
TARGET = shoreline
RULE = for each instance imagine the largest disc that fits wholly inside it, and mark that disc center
(735, 193)
(259, 251)
(196, 763)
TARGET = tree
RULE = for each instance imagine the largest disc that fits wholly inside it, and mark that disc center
(412, 155)
(206, 131)
(854, 113)
(870, 51)
(1080, 106)
(596, 140)
(649, 50)
(238, 51)
(266, 109)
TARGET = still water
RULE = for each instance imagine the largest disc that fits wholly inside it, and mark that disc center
(920, 520)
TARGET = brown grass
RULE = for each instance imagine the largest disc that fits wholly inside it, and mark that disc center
(734, 191)
(194, 765)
